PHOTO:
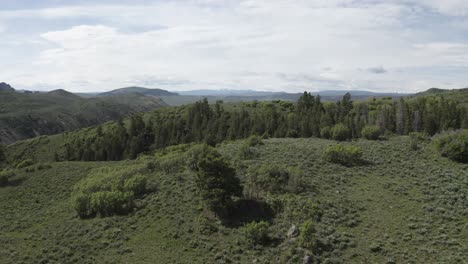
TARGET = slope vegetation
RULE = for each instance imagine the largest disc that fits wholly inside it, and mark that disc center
(400, 206)
(26, 115)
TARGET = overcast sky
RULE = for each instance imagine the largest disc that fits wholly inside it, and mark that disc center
(277, 45)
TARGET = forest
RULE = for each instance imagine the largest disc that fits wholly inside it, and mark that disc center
(308, 117)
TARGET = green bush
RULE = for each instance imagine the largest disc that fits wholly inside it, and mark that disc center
(254, 140)
(24, 163)
(256, 233)
(308, 237)
(326, 133)
(108, 191)
(273, 179)
(453, 145)
(370, 132)
(246, 152)
(417, 138)
(344, 155)
(340, 132)
(5, 175)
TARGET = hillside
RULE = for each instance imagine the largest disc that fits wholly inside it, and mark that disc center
(403, 206)
(141, 90)
(26, 115)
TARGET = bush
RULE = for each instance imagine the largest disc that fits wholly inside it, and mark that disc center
(340, 132)
(246, 152)
(273, 179)
(254, 140)
(308, 237)
(370, 132)
(5, 175)
(326, 133)
(108, 191)
(344, 155)
(453, 145)
(416, 138)
(24, 163)
(256, 233)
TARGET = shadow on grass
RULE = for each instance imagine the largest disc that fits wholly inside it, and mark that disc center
(16, 181)
(246, 211)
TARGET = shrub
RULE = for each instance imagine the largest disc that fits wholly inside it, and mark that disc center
(24, 163)
(308, 237)
(370, 132)
(256, 233)
(5, 175)
(246, 152)
(273, 179)
(326, 133)
(108, 191)
(453, 145)
(344, 155)
(416, 138)
(340, 132)
(254, 140)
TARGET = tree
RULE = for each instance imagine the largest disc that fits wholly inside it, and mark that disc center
(217, 183)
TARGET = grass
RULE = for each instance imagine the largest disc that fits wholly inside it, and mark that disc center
(403, 206)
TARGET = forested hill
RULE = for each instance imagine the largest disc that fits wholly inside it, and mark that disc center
(26, 115)
(202, 122)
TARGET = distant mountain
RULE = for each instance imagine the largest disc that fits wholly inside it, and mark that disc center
(433, 91)
(5, 87)
(26, 115)
(141, 90)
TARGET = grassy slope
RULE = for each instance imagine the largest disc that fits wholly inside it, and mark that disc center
(27, 115)
(409, 206)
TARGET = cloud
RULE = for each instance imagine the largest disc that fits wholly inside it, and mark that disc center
(377, 70)
(268, 45)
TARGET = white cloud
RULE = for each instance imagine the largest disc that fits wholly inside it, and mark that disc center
(282, 45)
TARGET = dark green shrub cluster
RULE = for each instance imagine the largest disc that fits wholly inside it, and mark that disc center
(370, 132)
(254, 141)
(417, 139)
(256, 233)
(326, 133)
(340, 132)
(453, 145)
(5, 175)
(344, 155)
(25, 163)
(273, 178)
(108, 191)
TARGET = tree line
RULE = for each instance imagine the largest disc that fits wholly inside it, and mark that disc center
(308, 117)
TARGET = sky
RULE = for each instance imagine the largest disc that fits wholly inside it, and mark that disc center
(269, 45)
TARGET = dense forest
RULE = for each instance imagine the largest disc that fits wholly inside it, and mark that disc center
(308, 117)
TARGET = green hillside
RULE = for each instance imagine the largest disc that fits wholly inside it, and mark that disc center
(400, 206)
(26, 115)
